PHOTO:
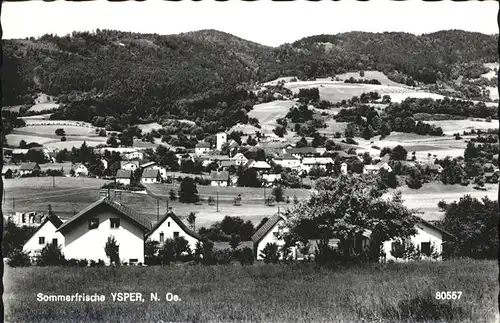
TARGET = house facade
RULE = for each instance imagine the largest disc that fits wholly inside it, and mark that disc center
(170, 227)
(28, 168)
(151, 176)
(81, 170)
(288, 161)
(87, 232)
(309, 162)
(123, 177)
(45, 234)
(240, 159)
(135, 155)
(202, 148)
(219, 178)
(129, 165)
(428, 236)
(221, 139)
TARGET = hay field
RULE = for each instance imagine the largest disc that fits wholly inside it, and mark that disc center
(296, 292)
(370, 75)
(149, 126)
(453, 126)
(267, 113)
(44, 106)
(44, 130)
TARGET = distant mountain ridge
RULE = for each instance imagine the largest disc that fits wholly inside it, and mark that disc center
(155, 74)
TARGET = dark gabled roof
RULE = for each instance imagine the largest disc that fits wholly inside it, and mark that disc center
(151, 173)
(303, 150)
(219, 176)
(266, 227)
(28, 166)
(123, 173)
(427, 223)
(52, 218)
(122, 209)
(203, 144)
(179, 223)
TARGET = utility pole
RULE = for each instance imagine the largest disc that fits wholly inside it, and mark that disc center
(14, 204)
(264, 193)
(217, 198)
(157, 209)
(53, 182)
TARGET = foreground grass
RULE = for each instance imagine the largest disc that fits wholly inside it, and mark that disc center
(271, 293)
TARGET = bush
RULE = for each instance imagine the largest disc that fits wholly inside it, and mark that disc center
(82, 262)
(245, 256)
(222, 257)
(51, 256)
(72, 262)
(270, 253)
(19, 258)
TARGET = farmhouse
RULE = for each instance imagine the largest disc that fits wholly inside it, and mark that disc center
(87, 232)
(225, 164)
(135, 155)
(202, 148)
(45, 234)
(28, 168)
(151, 176)
(258, 165)
(310, 162)
(123, 177)
(377, 167)
(170, 227)
(240, 159)
(219, 178)
(81, 170)
(129, 165)
(287, 161)
(304, 151)
(428, 237)
(7, 173)
(491, 177)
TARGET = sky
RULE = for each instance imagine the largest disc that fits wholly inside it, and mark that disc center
(263, 21)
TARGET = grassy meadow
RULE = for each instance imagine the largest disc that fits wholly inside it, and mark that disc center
(268, 293)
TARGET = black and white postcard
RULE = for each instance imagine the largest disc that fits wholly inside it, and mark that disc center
(250, 161)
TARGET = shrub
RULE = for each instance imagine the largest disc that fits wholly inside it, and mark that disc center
(182, 250)
(222, 257)
(270, 253)
(168, 251)
(72, 262)
(82, 262)
(111, 249)
(245, 256)
(235, 241)
(51, 255)
(19, 258)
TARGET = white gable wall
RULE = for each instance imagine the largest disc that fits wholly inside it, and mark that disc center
(424, 234)
(89, 244)
(270, 237)
(48, 231)
(168, 227)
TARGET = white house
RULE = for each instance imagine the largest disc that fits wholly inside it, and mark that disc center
(239, 159)
(81, 170)
(135, 155)
(87, 232)
(219, 178)
(287, 161)
(129, 165)
(343, 168)
(202, 148)
(123, 177)
(150, 176)
(153, 166)
(376, 168)
(45, 234)
(428, 236)
(170, 227)
(221, 140)
(28, 168)
(258, 165)
(310, 162)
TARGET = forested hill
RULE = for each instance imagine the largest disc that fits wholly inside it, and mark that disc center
(110, 73)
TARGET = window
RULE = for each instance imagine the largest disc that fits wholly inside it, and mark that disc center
(176, 234)
(395, 246)
(162, 237)
(133, 260)
(168, 223)
(41, 240)
(54, 241)
(115, 223)
(425, 248)
(93, 223)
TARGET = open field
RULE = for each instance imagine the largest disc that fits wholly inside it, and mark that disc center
(453, 126)
(267, 113)
(370, 75)
(44, 106)
(15, 139)
(76, 142)
(149, 126)
(38, 117)
(259, 293)
(247, 129)
(427, 197)
(50, 130)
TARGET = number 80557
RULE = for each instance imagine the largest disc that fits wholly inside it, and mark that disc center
(448, 295)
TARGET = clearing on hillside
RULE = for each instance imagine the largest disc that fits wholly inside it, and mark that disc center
(370, 75)
(149, 126)
(44, 106)
(267, 113)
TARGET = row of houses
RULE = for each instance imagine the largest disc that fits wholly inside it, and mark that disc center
(84, 235)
